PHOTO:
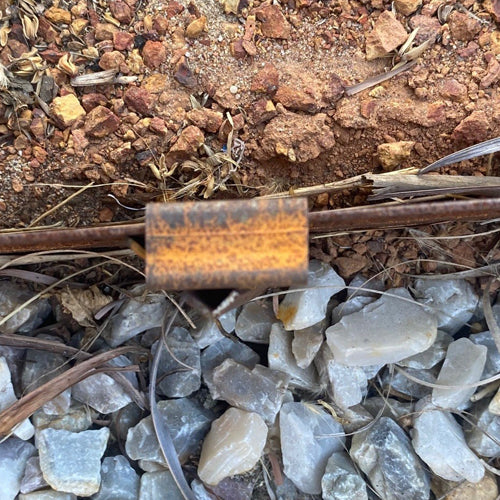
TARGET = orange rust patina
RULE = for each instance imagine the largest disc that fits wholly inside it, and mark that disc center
(243, 244)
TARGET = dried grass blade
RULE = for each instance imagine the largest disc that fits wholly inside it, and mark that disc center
(162, 433)
(27, 405)
(481, 149)
(98, 78)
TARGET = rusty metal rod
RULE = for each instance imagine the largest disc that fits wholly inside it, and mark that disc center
(367, 217)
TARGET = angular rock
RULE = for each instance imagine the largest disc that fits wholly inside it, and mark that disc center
(140, 100)
(102, 392)
(407, 7)
(347, 384)
(255, 321)
(387, 34)
(432, 356)
(225, 348)
(299, 310)
(25, 429)
(154, 54)
(439, 441)
(206, 119)
(306, 343)
(233, 445)
(71, 461)
(33, 478)
(29, 317)
(392, 154)
(296, 99)
(197, 27)
(280, 357)
(78, 418)
(494, 406)
(463, 365)
(67, 110)
(384, 453)
(161, 484)
(451, 89)
(308, 428)
(388, 407)
(398, 382)
(492, 365)
(477, 436)
(463, 26)
(350, 306)
(14, 453)
(187, 422)
(273, 22)
(486, 489)
(176, 379)
(208, 333)
(266, 80)
(452, 301)
(385, 331)
(57, 15)
(260, 390)
(119, 481)
(492, 73)
(47, 495)
(188, 142)
(39, 368)
(112, 60)
(134, 317)
(121, 11)
(101, 122)
(298, 138)
(341, 481)
(473, 128)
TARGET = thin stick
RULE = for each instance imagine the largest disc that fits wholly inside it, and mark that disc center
(59, 205)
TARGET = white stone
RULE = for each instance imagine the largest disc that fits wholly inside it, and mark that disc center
(71, 461)
(159, 485)
(32, 479)
(385, 331)
(439, 441)
(463, 365)
(309, 435)
(307, 342)
(254, 322)
(399, 382)
(280, 357)
(207, 331)
(47, 495)
(302, 309)
(25, 429)
(478, 436)
(102, 392)
(135, 316)
(430, 357)
(79, 418)
(260, 390)
(225, 348)
(384, 453)
(452, 301)
(14, 454)
(341, 481)
(233, 445)
(492, 366)
(119, 481)
(494, 406)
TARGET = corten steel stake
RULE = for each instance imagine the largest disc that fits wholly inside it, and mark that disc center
(239, 243)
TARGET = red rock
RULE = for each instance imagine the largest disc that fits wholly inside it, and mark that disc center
(51, 55)
(469, 51)
(46, 31)
(139, 100)
(160, 25)
(17, 48)
(206, 119)
(472, 129)
(296, 99)
(157, 125)
(335, 89)
(105, 31)
(262, 111)
(121, 11)
(449, 88)
(298, 138)
(188, 142)
(492, 72)
(226, 127)
(237, 49)
(154, 54)
(122, 154)
(493, 7)
(273, 22)
(111, 60)
(90, 101)
(387, 34)
(80, 142)
(123, 40)
(266, 80)
(101, 122)
(174, 8)
(428, 27)
(407, 7)
(463, 27)
(184, 75)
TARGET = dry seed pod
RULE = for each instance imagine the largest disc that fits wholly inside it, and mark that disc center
(65, 64)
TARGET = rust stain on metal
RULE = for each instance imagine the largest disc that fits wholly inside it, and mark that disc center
(244, 244)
